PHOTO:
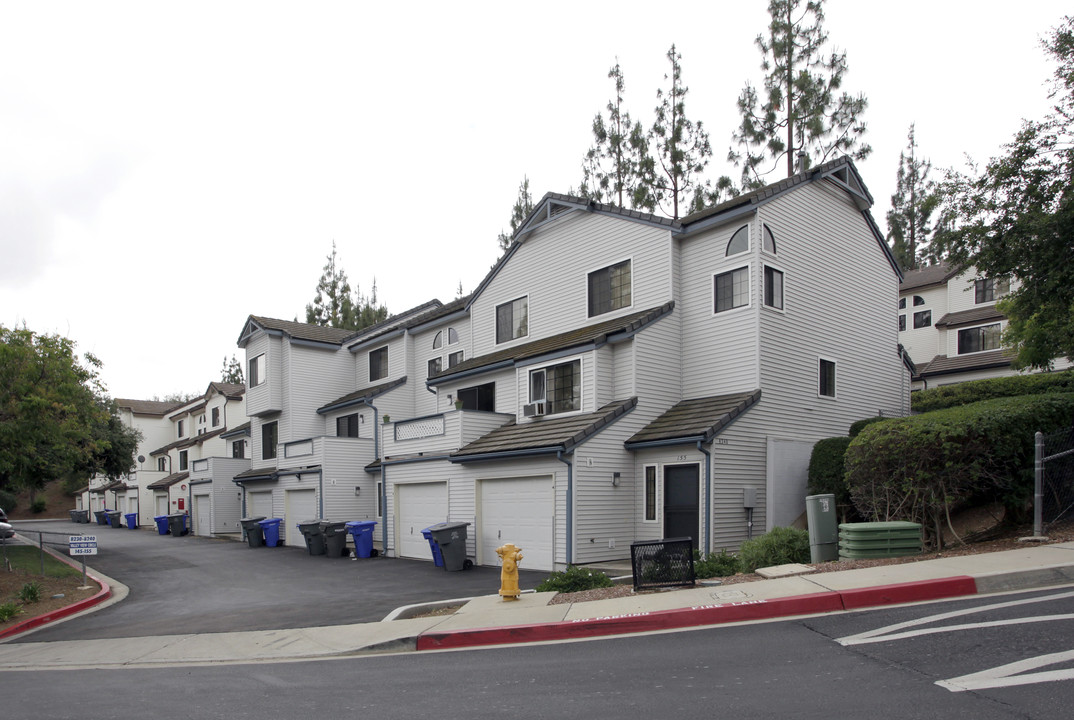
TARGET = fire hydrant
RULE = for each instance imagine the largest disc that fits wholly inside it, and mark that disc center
(510, 555)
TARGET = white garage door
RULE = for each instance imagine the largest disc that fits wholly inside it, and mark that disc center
(299, 506)
(161, 501)
(418, 505)
(518, 511)
(202, 512)
(259, 504)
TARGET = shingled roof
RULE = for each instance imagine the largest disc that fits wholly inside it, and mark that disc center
(943, 365)
(188, 442)
(149, 407)
(298, 331)
(970, 317)
(550, 435)
(930, 275)
(167, 482)
(359, 396)
(697, 419)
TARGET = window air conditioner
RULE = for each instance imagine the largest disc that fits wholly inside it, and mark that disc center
(535, 409)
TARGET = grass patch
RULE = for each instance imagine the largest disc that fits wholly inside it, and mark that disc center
(27, 560)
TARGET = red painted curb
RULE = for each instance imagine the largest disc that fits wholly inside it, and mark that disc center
(909, 592)
(103, 594)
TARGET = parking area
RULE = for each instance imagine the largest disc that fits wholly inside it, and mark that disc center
(203, 585)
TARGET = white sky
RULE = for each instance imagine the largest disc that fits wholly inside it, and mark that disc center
(167, 168)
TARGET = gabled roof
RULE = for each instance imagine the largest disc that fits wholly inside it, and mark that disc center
(159, 408)
(395, 323)
(971, 317)
(264, 473)
(550, 435)
(921, 277)
(167, 482)
(243, 429)
(110, 487)
(943, 365)
(188, 442)
(694, 420)
(359, 397)
(294, 330)
(596, 334)
(232, 391)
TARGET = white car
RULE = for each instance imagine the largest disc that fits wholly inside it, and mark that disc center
(6, 531)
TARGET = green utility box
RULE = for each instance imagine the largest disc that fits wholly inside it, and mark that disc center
(879, 539)
(823, 528)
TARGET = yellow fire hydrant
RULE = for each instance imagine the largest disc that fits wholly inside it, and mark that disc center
(510, 555)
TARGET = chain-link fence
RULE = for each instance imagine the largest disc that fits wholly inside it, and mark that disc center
(39, 540)
(1054, 492)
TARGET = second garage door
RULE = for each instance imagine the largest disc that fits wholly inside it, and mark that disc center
(419, 506)
(519, 511)
(300, 506)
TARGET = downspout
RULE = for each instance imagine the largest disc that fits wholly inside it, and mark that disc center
(384, 510)
(708, 497)
(320, 493)
(570, 509)
(376, 428)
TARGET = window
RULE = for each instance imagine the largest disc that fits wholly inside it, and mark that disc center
(902, 323)
(826, 381)
(182, 460)
(347, 426)
(609, 288)
(559, 386)
(923, 319)
(454, 359)
(512, 320)
(773, 288)
(162, 464)
(769, 241)
(452, 336)
(181, 428)
(902, 303)
(269, 437)
(978, 339)
(378, 364)
(650, 493)
(435, 366)
(740, 241)
(918, 300)
(238, 449)
(732, 289)
(438, 341)
(479, 397)
(257, 371)
(380, 498)
(990, 289)
(216, 417)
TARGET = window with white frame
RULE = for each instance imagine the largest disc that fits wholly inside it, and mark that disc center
(238, 449)
(162, 464)
(269, 438)
(347, 426)
(479, 397)
(435, 366)
(826, 378)
(512, 320)
(452, 336)
(769, 241)
(731, 289)
(609, 288)
(183, 460)
(902, 322)
(979, 339)
(256, 375)
(559, 387)
(378, 363)
(216, 417)
(739, 242)
(454, 358)
(773, 287)
(990, 289)
(923, 319)
(181, 427)
(650, 493)
(438, 340)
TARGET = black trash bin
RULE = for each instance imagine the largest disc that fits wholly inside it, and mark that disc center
(82, 516)
(177, 524)
(451, 537)
(311, 530)
(113, 518)
(254, 535)
(335, 538)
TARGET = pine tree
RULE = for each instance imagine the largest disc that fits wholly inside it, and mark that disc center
(522, 208)
(912, 205)
(333, 306)
(368, 310)
(231, 372)
(803, 111)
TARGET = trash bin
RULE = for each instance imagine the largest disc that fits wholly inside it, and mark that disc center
(82, 516)
(252, 528)
(311, 530)
(335, 538)
(113, 518)
(74, 515)
(132, 520)
(451, 537)
(177, 524)
(270, 527)
(438, 558)
(162, 524)
(362, 532)
(823, 528)
(102, 516)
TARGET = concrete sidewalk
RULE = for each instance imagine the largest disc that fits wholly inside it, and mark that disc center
(488, 620)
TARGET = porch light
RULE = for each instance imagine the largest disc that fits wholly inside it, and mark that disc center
(615, 479)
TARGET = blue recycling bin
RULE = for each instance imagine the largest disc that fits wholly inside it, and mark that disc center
(438, 557)
(162, 524)
(270, 527)
(132, 520)
(362, 532)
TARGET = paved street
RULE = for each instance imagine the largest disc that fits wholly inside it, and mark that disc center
(203, 585)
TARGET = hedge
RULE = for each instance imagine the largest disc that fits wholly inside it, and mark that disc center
(977, 390)
(826, 472)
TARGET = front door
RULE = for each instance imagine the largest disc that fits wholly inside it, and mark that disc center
(681, 516)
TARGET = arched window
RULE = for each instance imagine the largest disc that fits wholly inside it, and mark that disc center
(452, 336)
(769, 241)
(740, 241)
(918, 300)
(438, 341)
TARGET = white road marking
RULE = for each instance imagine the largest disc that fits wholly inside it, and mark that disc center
(1010, 675)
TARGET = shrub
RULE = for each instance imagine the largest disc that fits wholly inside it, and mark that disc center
(778, 546)
(921, 468)
(977, 390)
(9, 610)
(826, 471)
(38, 506)
(573, 579)
(8, 501)
(857, 427)
(713, 565)
(30, 592)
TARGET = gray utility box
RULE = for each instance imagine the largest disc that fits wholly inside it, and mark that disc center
(451, 537)
(823, 528)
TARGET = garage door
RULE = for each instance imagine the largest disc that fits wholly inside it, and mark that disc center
(519, 511)
(418, 506)
(259, 504)
(202, 514)
(299, 506)
(161, 501)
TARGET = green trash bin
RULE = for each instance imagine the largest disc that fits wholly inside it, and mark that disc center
(451, 537)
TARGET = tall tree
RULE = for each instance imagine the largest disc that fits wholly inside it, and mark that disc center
(680, 146)
(803, 110)
(336, 305)
(912, 206)
(618, 167)
(369, 310)
(1016, 218)
(519, 212)
(231, 372)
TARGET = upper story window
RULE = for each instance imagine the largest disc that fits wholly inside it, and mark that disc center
(902, 303)
(990, 289)
(347, 426)
(902, 322)
(183, 460)
(162, 464)
(269, 439)
(438, 340)
(216, 417)
(454, 358)
(256, 375)
(378, 363)
(479, 397)
(731, 289)
(826, 378)
(512, 320)
(769, 241)
(559, 387)
(918, 300)
(979, 339)
(923, 319)
(773, 287)
(740, 241)
(452, 336)
(609, 288)
(182, 428)
(238, 449)
(435, 366)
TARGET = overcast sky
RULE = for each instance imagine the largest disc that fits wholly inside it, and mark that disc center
(167, 168)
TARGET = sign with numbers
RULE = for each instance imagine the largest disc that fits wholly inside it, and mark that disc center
(82, 544)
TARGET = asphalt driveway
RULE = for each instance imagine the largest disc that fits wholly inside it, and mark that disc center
(205, 585)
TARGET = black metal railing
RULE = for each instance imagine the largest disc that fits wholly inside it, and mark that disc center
(662, 563)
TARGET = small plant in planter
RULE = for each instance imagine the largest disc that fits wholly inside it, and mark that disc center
(387, 419)
(458, 404)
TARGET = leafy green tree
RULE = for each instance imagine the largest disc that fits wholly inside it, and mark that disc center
(519, 212)
(1016, 218)
(680, 147)
(336, 305)
(801, 108)
(912, 205)
(231, 372)
(618, 167)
